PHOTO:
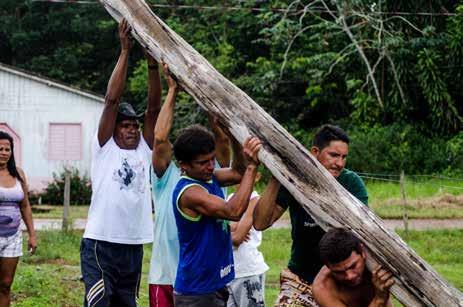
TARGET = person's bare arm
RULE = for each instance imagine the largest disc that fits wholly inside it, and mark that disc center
(267, 211)
(240, 232)
(116, 86)
(382, 281)
(26, 214)
(196, 201)
(233, 175)
(162, 148)
(222, 143)
(154, 99)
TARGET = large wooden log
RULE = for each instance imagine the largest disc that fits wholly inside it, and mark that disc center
(322, 196)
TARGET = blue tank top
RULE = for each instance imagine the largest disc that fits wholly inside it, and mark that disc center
(206, 254)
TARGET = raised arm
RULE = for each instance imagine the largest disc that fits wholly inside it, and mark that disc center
(222, 143)
(116, 86)
(267, 211)
(154, 99)
(162, 148)
(26, 214)
(242, 228)
(196, 201)
(233, 175)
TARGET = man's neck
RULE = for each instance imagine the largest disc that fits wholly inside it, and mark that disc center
(196, 179)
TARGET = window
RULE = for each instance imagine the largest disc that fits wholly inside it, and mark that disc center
(65, 142)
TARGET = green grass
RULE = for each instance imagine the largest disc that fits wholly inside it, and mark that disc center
(432, 198)
(56, 212)
(51, 277)
(380, 190)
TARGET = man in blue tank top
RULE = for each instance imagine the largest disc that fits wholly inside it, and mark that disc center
(201, 214)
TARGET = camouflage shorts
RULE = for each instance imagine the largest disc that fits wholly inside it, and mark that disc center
(294, 292)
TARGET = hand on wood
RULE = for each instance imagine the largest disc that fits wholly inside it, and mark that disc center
(171, 82)
(382, 281)
(124, 35)
(251, 149)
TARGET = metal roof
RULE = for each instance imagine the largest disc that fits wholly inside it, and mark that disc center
(50, 82)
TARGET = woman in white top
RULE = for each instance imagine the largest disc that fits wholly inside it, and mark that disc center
(14, 205)
(247, 289)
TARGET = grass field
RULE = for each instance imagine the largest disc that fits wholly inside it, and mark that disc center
(431, 198)
(51, 277)
(56, 212)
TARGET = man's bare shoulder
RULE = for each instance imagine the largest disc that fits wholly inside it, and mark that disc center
(325, 290)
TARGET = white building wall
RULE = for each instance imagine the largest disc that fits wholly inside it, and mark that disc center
(29, 105)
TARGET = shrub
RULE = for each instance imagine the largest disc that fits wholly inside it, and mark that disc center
(391, 149)
(81, 190)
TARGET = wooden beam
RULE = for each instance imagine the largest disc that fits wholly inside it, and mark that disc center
(322, 196)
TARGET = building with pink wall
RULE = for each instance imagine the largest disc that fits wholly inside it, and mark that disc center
(52, 123)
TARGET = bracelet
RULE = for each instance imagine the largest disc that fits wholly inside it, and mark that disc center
(153, 67)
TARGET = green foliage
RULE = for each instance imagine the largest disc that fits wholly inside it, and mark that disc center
(304, 69)
(444, 113)
(81, 190)
(394, 148)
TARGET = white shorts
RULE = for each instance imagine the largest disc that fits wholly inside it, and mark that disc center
(12, 246)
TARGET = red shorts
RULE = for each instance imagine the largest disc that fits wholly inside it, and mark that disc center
(161, 295)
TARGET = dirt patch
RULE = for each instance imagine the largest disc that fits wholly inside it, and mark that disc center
(445, 201)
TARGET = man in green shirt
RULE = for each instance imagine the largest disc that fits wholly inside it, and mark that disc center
(330, 147)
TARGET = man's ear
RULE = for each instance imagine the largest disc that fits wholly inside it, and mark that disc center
(363, 251)
(314, 150)
(182, 166)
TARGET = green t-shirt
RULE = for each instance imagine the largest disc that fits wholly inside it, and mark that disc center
(305, 261)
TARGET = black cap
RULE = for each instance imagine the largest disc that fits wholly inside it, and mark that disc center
(126, 111)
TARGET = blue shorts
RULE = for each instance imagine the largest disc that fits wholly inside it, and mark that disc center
(111, 272)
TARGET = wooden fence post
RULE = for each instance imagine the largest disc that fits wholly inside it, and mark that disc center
(404, 202)
(67, 197)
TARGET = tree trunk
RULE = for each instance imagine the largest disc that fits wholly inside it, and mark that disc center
(310, 183)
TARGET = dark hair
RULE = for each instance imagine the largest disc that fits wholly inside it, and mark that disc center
(328, 133)
(337, 245)
(193, 141)
(11, 164)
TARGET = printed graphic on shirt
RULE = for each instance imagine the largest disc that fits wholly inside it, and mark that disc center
(225, 271)
(130, 177)
(225, 224)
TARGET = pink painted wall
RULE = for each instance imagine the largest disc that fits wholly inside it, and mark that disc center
(64, 141)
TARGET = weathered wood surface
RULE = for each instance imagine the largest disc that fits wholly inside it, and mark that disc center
(323, 197)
